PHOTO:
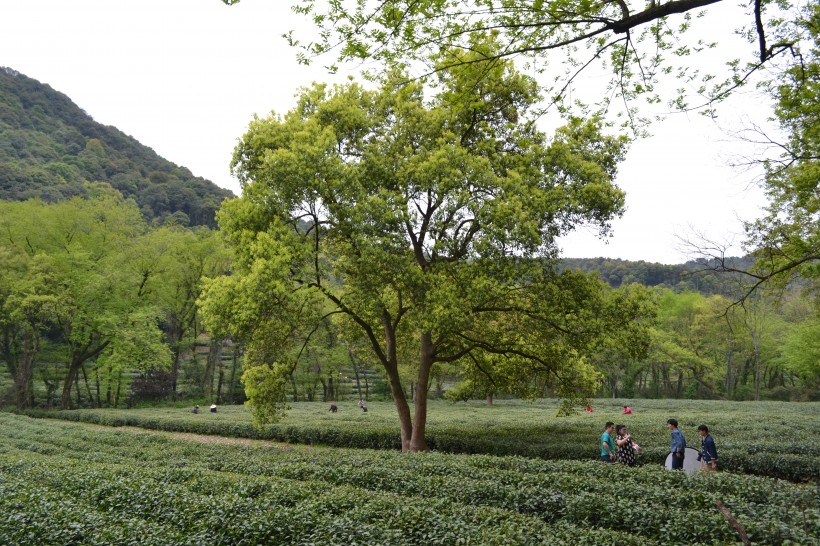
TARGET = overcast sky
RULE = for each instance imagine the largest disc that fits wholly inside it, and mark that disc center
(185, 77)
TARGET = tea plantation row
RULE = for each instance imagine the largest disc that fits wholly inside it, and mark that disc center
(779, 440)
(72, 483)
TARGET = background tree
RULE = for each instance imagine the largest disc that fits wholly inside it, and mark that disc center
(422, 221)
(75, 287)
(786, 240)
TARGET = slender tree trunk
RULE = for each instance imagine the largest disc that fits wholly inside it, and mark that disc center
(70, 379)
(489, 399)
(355, 372)
(77, 389)
(119, 388)
(110, 381)
(219, 382)
(391, 367)
(87, 386)
(232, 380)
(175, 372)
(214, 355)
(24, 376)
(97, 386)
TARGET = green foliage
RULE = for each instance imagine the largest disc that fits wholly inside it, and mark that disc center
(771, 439)
(265, 389)
(786, 240)
(424, 227)
(50, 148)
(70, 483)
(86, 289)
(646, 47)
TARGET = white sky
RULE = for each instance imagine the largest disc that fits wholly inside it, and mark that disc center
(185, 77)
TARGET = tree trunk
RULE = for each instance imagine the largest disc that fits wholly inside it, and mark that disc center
(355, 373)
(418, 442)
(70, 379)
(119, 387)
(219, 382)
(232, 380)
(97, 386)
(78, 356)
(391, 367)
(489, 399)
(87, 386)
(24, 376)
(175, 373)
(214, 355)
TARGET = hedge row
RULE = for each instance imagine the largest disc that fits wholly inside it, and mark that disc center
(773, 440)
(65, 483)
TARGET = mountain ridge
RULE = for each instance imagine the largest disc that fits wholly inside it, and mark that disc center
(50, 148)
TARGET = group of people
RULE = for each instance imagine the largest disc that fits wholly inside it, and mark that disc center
(334, 408)
(627, 448)
(196, 408)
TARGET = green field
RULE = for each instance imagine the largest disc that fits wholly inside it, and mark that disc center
(76, 483)
(774, 439)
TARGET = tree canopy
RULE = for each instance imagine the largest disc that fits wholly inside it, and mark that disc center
(642, 44)
(426, 228)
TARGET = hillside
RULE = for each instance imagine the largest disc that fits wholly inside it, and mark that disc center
(688, 276)
(50, 147)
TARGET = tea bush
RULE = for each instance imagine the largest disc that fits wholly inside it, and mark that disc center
(774, 439)
(73, 483)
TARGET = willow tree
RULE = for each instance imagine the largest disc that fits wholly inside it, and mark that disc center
(424, 226)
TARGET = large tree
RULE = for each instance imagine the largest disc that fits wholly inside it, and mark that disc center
(426, 226)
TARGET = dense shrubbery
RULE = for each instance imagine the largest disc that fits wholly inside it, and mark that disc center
(768, 439)
(75, 484)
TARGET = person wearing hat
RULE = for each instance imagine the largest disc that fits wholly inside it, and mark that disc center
(213, 408)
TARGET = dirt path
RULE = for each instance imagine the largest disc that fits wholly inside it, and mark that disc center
(207, 439)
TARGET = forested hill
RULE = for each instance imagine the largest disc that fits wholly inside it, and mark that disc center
(49, 148)
(690, 275)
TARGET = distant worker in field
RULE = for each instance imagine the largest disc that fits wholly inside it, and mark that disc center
(213, 408)
(627, 410)
(607, 443)
(195, 410)
(708, 450)
(333, 408)
(361, 402)
(678, 445)
(363, 406)
(588, 409)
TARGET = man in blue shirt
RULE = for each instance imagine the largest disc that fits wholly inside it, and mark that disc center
(608, 443)
(708, 451)
(678, 448)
